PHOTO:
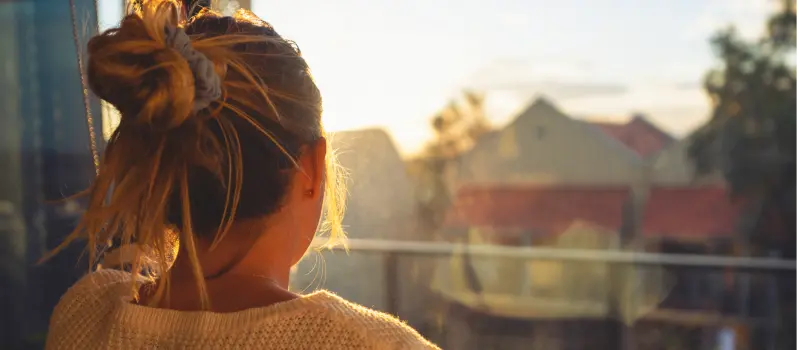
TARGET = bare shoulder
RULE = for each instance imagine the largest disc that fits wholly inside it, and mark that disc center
(382, 331)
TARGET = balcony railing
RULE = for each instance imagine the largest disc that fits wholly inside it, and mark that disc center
(702, 299)
(545, 253)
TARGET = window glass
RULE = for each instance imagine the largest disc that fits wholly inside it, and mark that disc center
(45, 155)
(522, 174)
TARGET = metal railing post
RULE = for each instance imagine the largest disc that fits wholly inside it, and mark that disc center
(392, 292)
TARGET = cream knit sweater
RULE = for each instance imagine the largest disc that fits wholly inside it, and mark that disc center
(94, 314)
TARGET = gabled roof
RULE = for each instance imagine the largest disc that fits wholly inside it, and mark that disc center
(638, 134)
(380, 193)
(540, 209)
(542, 106)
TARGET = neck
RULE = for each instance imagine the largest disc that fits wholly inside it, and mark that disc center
(258, 248)
(259, 276)
(229, 293)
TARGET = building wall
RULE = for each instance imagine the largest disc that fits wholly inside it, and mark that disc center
(672, 166)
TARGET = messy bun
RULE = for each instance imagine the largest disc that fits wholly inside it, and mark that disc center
(137, 69)
(187, 160)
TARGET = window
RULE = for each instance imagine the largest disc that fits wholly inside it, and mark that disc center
(45, 155)
(457, 263)
(540, 132)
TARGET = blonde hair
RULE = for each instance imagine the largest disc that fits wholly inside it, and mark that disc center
(169, 174)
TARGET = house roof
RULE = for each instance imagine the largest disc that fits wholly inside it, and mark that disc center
(669, 211)
(689, 212)
(380, 193)
(544, 107)
(638, 134)
(545, 209)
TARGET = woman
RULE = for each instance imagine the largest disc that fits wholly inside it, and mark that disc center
(217, 174)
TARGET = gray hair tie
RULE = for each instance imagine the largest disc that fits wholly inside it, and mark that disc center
(207, 83)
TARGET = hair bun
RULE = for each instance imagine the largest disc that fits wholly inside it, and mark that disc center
(150, 82)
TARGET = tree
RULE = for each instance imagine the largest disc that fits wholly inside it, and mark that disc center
(750, 136)
(456, 129)
(750, 139)
(458, 126)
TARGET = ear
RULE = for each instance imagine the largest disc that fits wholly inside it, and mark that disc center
(312, 162)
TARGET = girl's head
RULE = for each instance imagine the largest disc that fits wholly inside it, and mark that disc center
(216, 133)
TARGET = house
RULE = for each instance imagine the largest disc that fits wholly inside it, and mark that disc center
(545, 146)
(548, 180)
(381, 202)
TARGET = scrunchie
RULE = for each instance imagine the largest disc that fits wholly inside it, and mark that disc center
(207, 83)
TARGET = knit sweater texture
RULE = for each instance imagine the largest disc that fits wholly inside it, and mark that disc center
(95, 314)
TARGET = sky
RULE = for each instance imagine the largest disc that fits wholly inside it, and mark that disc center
(393, 64)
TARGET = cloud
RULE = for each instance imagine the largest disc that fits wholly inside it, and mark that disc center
(677, 110)
(561, 90)
(559, 80)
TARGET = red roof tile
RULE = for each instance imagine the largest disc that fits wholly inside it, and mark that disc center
(669, 211)
(546, 210)
(689, 212)
(638, 134)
